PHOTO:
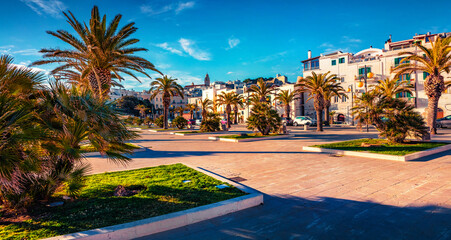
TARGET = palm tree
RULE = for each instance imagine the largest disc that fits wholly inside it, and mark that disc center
(205, 106)
(142, 110)
(228, 99)
(434, 61)
(391, 87)
(366, 108)
(261, 89)
(238, 103)
(169, 88)
(317, 85)
(101, 52)
(180, 110)
(191, 107)
(286, 97)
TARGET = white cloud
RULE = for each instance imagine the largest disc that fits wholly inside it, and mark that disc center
(233, 42)
(347, 39)
(21, 65)
(46, 7)
(147, 9)
(190, 48)
(272, 57)
(165, 46)
(28, 52)
(182, 6)
(229, 72)
(175, 8)
(184, 77)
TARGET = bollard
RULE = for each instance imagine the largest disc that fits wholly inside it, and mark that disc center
(305, 127)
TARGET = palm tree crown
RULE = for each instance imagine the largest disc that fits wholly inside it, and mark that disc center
(169, 88)
(205, 106)
(100, 53)
(286, 97)
(261, 89)
(391, 87)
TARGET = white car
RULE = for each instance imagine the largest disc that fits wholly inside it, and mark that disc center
(303, 120)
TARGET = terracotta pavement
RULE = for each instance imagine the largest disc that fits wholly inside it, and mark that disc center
(310, 195)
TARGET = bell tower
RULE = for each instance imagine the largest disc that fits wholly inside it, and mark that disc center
(207, 80)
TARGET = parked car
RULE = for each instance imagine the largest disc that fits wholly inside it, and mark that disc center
(198, 121)
(288, 121)
(303, 120)
(191, 122)
(444, 122)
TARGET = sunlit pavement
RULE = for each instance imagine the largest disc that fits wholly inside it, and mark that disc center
(310, 195)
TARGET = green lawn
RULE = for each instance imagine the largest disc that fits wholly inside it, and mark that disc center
(163, 130)
(163, 191)
(190, 132)
(89, 148)
(385, 148)
(138, 126)
(249, 135)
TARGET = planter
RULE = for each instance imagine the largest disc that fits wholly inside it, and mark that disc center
(250, 139)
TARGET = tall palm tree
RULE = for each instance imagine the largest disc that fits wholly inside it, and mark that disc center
(317, 85)
(286, 97)
(101, 52)
(169, 88)
(205, 106)
(391, 87)
(228, 99)
(261, 89)
(180, 110)
(238, 104)
(434, 61)
(191, 107)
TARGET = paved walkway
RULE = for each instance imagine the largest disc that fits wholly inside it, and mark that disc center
(311, 195)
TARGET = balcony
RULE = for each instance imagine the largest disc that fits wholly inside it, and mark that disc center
(359, 60)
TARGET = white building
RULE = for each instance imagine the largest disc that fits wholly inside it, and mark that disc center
(350, 68)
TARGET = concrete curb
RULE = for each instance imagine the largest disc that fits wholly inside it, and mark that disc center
(404, 158)
(250, 139)
(195, 134)
(90, 154)
(174, 220)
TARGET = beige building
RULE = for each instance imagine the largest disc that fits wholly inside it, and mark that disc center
(350, 68)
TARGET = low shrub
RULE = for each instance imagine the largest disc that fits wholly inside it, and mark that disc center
(159, 121)
(210, 123)
(180, 122)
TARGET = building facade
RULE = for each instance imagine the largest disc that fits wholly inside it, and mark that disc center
(351, 69)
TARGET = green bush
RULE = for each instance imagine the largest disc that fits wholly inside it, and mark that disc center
(147, 121)
(180, 122)
(159, 121)
(264, 119)
(210, 123)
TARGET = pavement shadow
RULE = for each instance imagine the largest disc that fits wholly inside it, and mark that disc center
(289, 217)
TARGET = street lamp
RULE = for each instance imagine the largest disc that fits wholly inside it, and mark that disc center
(351, 87)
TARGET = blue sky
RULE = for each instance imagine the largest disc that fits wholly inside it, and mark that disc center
(228, 39)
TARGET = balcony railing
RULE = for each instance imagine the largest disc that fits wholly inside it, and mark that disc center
(358, 60)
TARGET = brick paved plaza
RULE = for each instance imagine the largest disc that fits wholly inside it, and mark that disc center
(311, 195)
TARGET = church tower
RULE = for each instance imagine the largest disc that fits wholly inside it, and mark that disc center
(207, 80)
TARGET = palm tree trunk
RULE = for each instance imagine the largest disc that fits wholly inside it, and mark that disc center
(327, 114)
(235, 109)
(287, 110)
(166, 102)
(319, 120)
(432, 114)
(228, 111)
(100, 82)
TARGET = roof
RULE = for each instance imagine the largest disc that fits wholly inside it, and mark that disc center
(313, 58)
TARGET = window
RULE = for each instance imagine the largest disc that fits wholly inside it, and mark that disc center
(403, 95)
(362, 71)
(336, 99)
(341, 60)
(404, 77)
(425, 75)
(342, 79)
(343, 99)
(334, 62)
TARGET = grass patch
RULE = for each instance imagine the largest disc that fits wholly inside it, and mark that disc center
(163, 192)
(190, 132)
(164, 130)
(89, 148)
(138, 126)
(399, 149)
(250, 135)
